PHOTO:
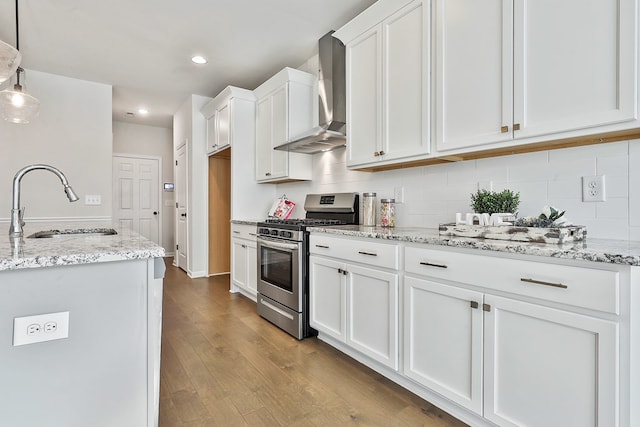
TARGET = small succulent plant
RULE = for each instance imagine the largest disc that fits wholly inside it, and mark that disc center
(485, 201)
(548, 218)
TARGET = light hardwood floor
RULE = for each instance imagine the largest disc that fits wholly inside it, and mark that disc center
(222, 365)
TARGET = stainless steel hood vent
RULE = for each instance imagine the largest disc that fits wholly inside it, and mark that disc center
(331, 133)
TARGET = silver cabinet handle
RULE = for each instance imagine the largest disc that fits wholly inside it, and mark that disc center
(367, 253)
(322, 246)
(343, 272)
(540, 282)
(430, 264)
(252, 234)
(236, 232)
(244, 246)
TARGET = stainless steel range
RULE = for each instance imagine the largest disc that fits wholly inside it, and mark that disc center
(283, 259)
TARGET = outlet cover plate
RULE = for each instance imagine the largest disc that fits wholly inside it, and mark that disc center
(41, 327)
(593, 189)
(92, 200)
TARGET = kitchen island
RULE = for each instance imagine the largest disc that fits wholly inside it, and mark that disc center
(106, 372)
(494, 332)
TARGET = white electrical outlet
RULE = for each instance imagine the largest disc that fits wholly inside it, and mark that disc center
(398, 194)
(593, 189)
(94, 200)
(42, 327)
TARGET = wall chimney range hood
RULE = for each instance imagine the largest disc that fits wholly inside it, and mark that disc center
(331, 132)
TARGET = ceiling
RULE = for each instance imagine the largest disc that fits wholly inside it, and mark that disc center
(143, 48)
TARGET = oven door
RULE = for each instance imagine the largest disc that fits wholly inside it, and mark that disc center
(279, 271)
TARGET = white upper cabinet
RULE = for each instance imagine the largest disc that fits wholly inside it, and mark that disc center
(228, 109)
(388, 87)
(517, 71)
(285, 108)
(220, 116)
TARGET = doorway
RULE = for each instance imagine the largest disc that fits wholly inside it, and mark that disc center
(220, 212)
(136, 195)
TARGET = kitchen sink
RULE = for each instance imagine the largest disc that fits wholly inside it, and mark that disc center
(77, 232)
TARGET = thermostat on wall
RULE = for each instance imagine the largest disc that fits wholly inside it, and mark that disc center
(168, 186)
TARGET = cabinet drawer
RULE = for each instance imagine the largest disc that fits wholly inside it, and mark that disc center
(243, 231)
(578, 286)
(363, 251)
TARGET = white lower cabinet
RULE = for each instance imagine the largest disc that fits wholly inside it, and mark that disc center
(372, 313)
(244, 255)
(443, 340)
(494, 340)
(542, 366)
(548, 367)
(355, 304)
(328, 297)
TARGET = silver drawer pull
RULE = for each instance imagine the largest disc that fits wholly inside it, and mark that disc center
(539, 282)
(430, 264)
(236, 232)
(252, 234)
(367, 253)
(322, 246)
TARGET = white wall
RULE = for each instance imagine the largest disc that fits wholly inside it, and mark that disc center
(433, 194)
(72, 133)
(189, 126)
(139, 140)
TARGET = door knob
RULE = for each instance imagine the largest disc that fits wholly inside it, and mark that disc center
(155, 213)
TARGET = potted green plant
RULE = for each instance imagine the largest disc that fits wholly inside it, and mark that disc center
(490, 202)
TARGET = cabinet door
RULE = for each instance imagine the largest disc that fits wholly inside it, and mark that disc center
(327, 297)
(574, 64)
(223, 121)
(443, 340)
(252, 268)
(546, 367)
(372, 308)
(263, 139)
(406, 82)
(364, 88)
(239, 263)
(474, 76)
(279, 124)
(211, 134)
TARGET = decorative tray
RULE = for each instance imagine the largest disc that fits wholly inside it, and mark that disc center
(517, 234)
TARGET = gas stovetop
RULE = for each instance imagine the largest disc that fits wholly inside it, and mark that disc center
(309, 222)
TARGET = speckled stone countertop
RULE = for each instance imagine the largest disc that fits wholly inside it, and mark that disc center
(597, 250)
(246, 221)
(69, 250)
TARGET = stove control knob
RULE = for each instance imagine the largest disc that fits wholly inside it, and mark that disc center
(286, 234)
(274, 232)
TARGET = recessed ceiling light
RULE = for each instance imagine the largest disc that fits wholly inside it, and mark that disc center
(143, 111)
(199, 59)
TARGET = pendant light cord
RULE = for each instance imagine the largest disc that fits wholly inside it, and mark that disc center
(17, 29)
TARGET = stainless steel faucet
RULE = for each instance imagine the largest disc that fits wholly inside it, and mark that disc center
(17, 213)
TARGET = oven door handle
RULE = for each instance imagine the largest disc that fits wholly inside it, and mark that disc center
(275, 243)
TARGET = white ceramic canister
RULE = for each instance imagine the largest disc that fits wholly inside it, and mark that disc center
(369, 209)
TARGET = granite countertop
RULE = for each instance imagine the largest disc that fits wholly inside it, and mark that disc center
(622, 252)
(69, 250)
(246, 221)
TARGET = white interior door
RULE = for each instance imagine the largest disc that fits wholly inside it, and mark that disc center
(181, 207)
(136, 189)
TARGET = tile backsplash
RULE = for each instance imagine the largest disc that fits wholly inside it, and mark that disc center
(433, 194)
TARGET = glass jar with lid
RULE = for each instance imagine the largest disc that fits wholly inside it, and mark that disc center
(369, 209)
(388, 212)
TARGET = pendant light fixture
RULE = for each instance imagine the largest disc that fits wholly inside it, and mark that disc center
(16, 105)
(9, 61)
